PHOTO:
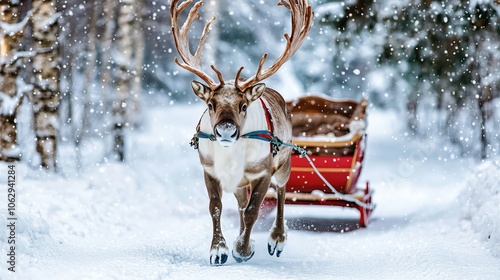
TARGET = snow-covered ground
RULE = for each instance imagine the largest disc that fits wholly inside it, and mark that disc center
(148, 218)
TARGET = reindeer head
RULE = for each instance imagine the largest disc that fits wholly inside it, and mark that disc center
(228, 103)
(227, 107)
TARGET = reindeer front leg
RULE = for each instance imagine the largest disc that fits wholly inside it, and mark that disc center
(243, 249)
(241, 195)
(219, 250)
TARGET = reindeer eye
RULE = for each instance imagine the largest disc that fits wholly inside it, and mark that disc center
(210, 106)
(244, 108)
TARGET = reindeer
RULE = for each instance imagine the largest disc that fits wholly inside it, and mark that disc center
(239, 114)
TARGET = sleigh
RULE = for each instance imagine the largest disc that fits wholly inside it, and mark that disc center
(332, 132)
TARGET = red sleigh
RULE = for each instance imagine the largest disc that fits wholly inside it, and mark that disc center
(333, 134)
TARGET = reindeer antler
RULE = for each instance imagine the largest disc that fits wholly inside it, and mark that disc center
(191, 62)
(302, 16)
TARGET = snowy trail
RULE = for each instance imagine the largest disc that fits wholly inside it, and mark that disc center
(148, 219)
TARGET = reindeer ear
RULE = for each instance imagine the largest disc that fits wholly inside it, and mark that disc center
(201, 90)
(255, 92)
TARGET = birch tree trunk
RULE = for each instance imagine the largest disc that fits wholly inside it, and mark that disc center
(123, 59)
(10, 96)
(139, 46)
(46, 93)
(85, 125)
(106, 45)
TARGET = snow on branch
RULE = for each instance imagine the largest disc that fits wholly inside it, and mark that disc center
(28, 54)
(46, 24)
(11, 29)
(10, 104)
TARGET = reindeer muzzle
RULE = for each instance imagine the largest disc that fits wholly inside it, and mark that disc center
(226, 133)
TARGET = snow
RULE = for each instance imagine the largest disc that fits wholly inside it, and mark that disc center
(148, 218)
(481, 200)
(47, 23)
(11, 29)
(333, 9)
(9, 103)
(12, 152)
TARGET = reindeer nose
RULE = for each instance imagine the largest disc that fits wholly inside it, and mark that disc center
(226, 133)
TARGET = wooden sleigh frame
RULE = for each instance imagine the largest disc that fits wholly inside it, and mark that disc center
(337, 155)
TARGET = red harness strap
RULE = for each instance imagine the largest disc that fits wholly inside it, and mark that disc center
(269, 117)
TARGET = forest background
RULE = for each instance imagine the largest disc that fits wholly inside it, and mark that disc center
(74, 72)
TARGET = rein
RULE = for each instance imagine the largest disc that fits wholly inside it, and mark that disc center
(276, 145)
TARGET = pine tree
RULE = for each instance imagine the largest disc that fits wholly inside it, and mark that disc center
(483, 63)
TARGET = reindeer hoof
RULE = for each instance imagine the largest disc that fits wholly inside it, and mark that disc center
(218, 256)
(243, 256)
(276, 245)
(240, 258)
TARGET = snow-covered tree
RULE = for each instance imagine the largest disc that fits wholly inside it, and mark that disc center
(447, 52)
(139, 44)
(88, 95)
(124, 75)
(12, 87)
(106, 45)
(347, 42)
(46, 73)
(435, 54)
(483, 62)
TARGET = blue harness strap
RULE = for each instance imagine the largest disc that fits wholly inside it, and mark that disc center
(204, 135)
(263, 135)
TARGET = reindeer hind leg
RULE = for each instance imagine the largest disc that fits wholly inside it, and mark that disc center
(277, 238)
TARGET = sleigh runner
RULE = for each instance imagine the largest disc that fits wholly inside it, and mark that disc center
(332, 133)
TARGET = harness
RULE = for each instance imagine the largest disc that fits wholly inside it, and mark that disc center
(276, 144)
(263, 135)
